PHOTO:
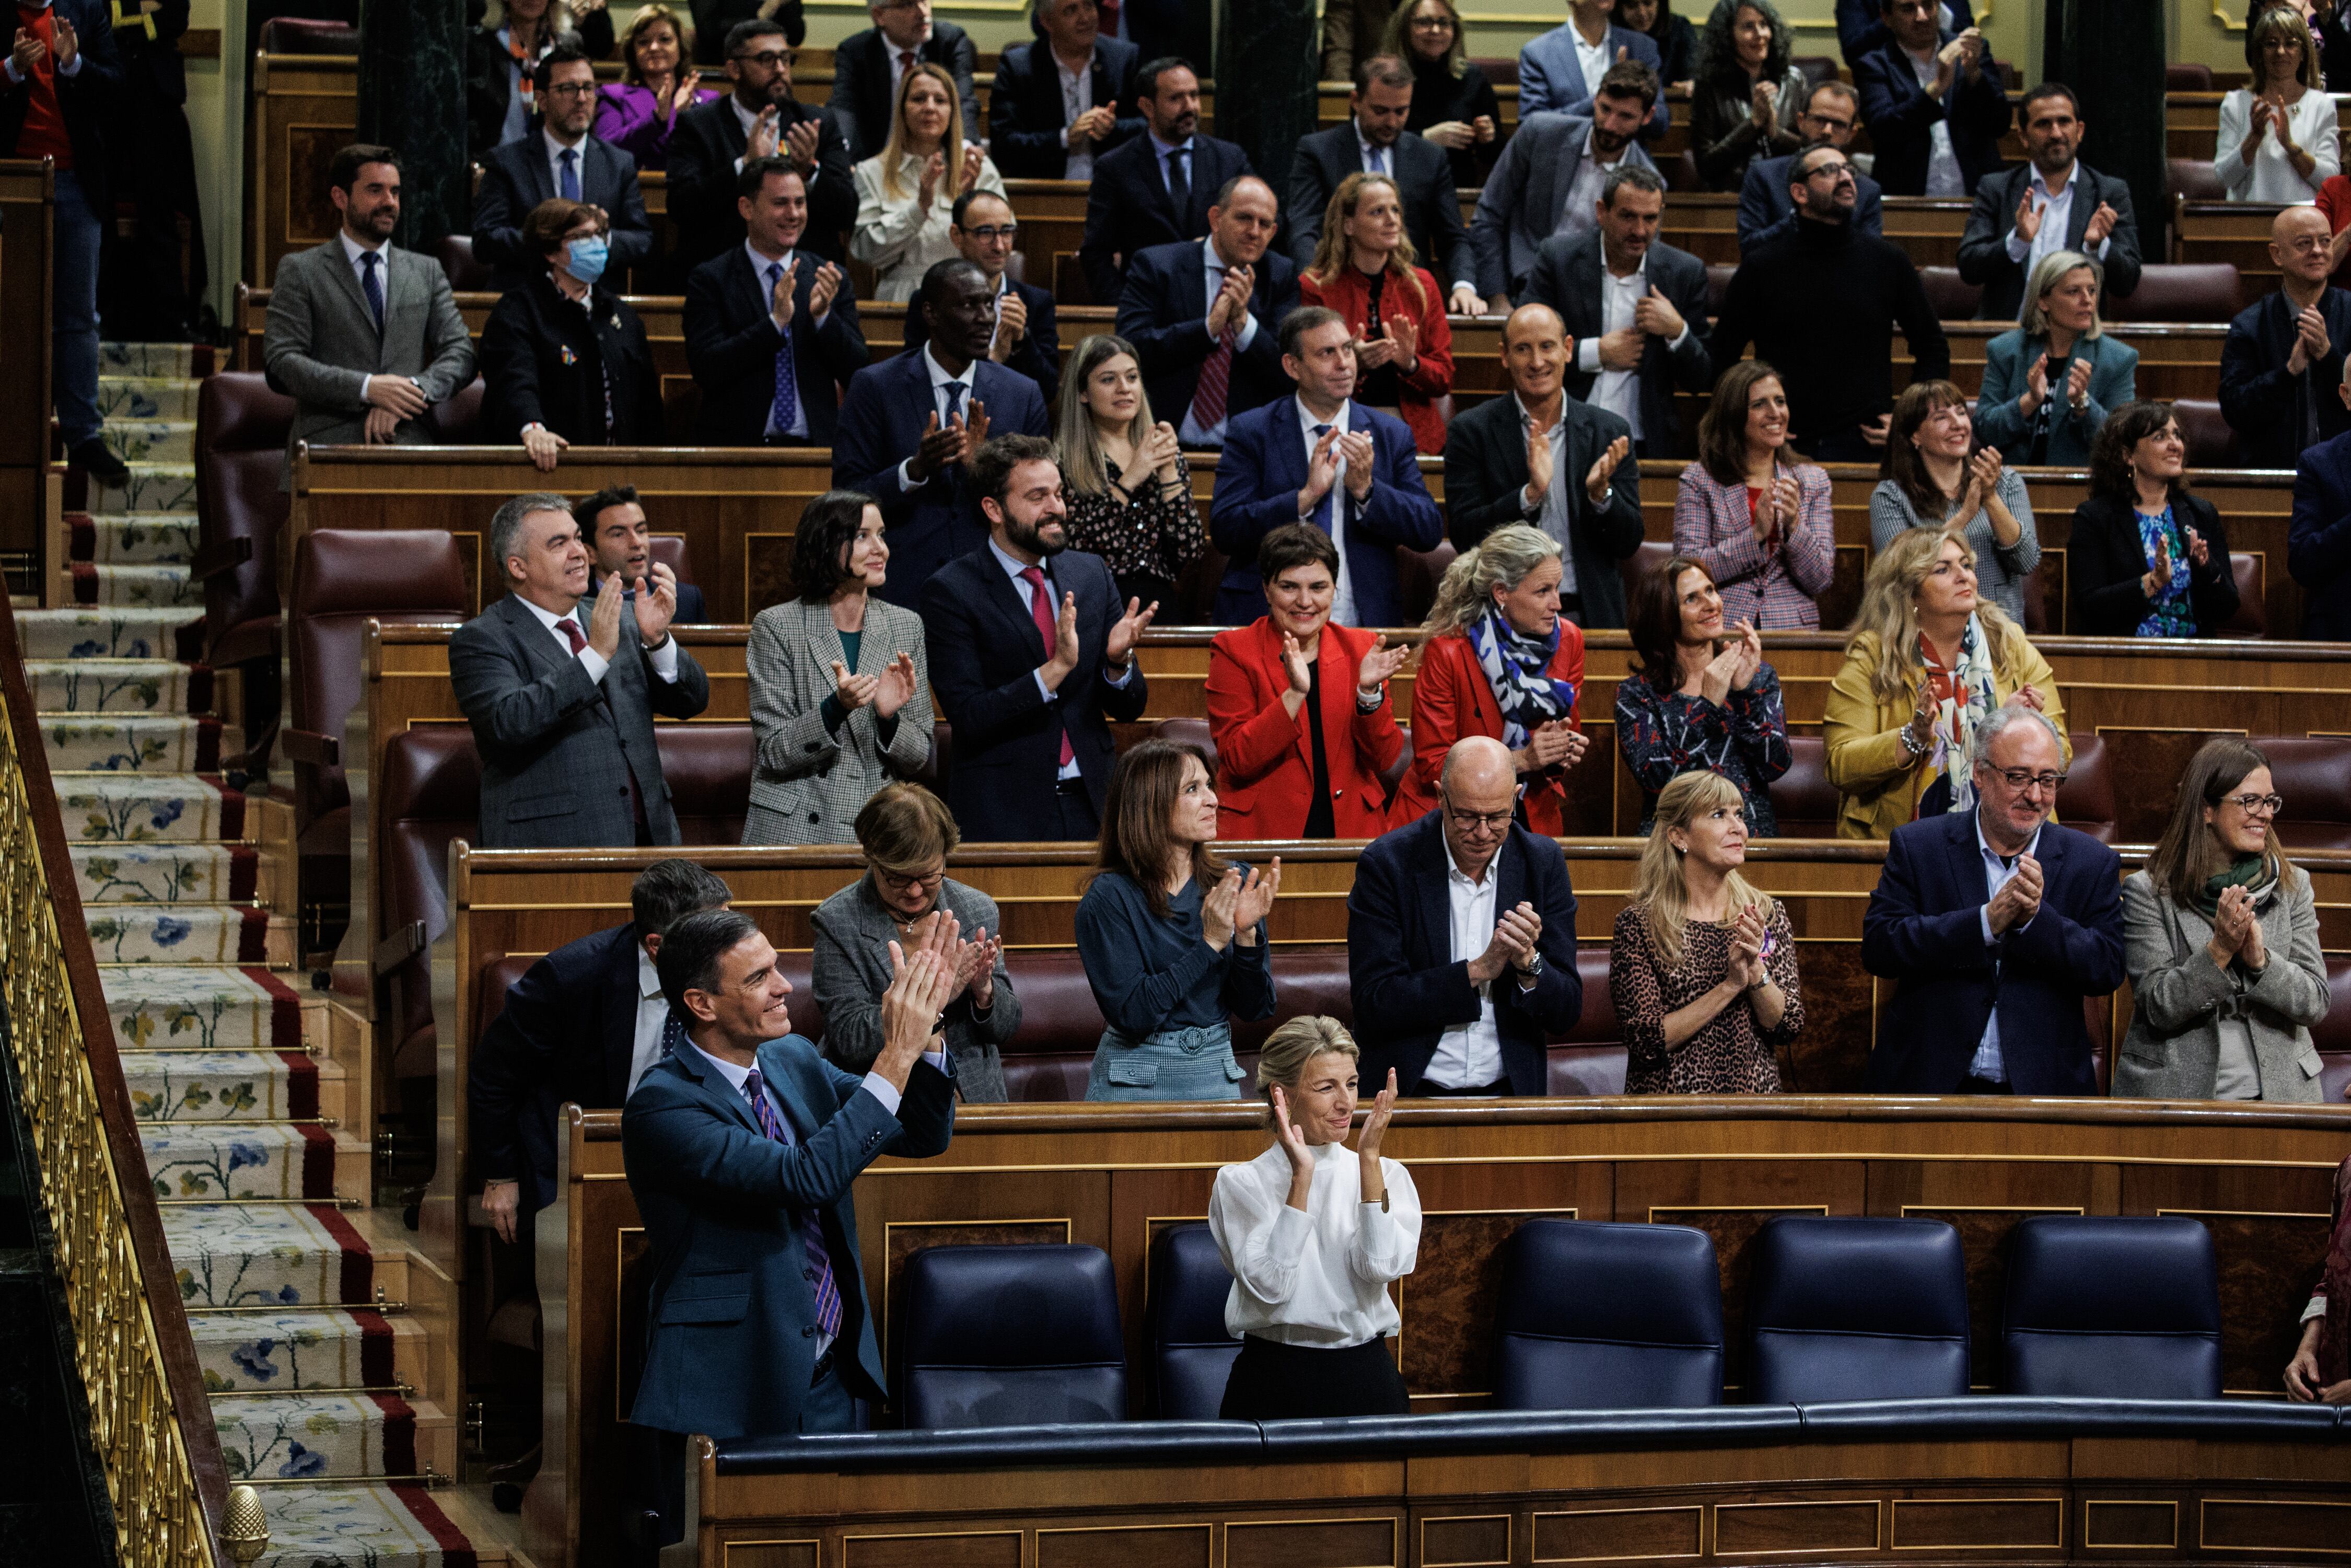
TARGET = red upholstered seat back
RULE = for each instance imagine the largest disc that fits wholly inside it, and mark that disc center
(1417, 574)
(1953, 297)
(241, 431)
(2211, 444)
(2179, 291)
(309, 35)
(1802, 798)
(708, 768)
(2313, 773)
(2087, 800)
(466, 275)
(2252, 619)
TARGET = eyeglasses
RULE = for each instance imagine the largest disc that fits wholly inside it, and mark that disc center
(1475, 821)
(1432, 24)
(897, 882)
(2018, 779)
(771, 59)
(988, 233)
(1833, 171)
(571, 89)
(2256, 805)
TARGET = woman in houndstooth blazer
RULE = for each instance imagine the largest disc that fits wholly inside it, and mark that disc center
(840, 688)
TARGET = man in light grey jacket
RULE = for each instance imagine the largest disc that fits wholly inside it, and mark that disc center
(1549, 178)
(364, 336)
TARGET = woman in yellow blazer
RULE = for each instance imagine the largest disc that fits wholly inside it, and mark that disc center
(1928, 661)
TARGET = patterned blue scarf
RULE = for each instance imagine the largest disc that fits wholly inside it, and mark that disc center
(1517, 668)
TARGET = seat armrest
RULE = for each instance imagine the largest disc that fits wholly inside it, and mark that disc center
(310, 748)
(227, 554)
(404, 943)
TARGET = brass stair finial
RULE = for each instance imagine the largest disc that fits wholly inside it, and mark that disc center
(245, 1532)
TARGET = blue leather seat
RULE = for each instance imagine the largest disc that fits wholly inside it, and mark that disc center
(1192, 1355)
(2113, 1306)
(1002, 1336)
(1857, 1309)
(1608, 1317)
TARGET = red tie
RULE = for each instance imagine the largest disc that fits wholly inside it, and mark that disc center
(1215, 381)
(572, 635)
(905, 64)
(1040, 606)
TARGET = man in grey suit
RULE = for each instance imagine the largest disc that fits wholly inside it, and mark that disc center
(1548, 179)
(563, 160)
(563, 712)
(365, 337)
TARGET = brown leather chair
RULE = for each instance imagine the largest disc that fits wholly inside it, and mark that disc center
(1817, 68)
(2313, 773)
(1190, 732)
(1634, 567)
(1681, 172)
(309, 35)
(1953, 297)
(1717, 287)
(2036, 591)
(241, 431)
(1590, 1058)
(1417, 574)
(708, 770)
(2252, 619)
(1502, 72)
(343, 579)
(2332, 1034)
(1802, 798)
(466, 275)
(2211, 444)
(458, 420)
(2193, 178)
(2203, 291)
(2181, 77)
(2086, 800)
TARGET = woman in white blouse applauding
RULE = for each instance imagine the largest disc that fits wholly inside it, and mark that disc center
(1313, 1234)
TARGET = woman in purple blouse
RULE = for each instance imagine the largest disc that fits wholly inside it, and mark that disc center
(637, 113)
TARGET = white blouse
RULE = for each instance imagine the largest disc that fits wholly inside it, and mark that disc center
(894, 236)
(2270, 176)
(1318, 1279)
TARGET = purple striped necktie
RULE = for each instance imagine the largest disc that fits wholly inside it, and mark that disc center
(819, 1271)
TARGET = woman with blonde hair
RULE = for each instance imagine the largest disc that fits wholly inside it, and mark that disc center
(1364, 268)
(907, 193)
(1128, 490)
(2050, 384)
(1703, 967)
(1496, 658)
(638, 112)
(1926, 663)
(2278, 141)
(1313, 1240)
(2221, 932)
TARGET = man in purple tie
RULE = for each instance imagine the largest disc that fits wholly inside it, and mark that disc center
(741, 1147)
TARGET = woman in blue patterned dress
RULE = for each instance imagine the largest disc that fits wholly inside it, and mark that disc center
(1701, 696)
(2146, 559)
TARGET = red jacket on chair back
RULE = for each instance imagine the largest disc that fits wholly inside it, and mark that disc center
(1265, 758)
(1450, 699)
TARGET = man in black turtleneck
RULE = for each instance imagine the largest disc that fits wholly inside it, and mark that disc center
(1822, 305)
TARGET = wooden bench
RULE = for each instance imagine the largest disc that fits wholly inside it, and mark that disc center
(2237, 233)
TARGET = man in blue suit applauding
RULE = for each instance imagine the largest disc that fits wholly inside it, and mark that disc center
(1997, 923)
(741, 1145)
(1321, 457)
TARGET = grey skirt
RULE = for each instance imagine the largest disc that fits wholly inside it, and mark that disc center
(1174, 1064)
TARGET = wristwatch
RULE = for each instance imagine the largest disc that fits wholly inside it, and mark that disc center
(1533, 971)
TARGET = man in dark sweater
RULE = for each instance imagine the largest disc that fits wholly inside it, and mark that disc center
(1822, 305)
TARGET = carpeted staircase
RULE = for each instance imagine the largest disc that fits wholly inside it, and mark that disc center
(292, 1287)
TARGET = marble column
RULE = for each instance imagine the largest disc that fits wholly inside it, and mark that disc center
(1268, 54)
(413, 98)
(2108, 52)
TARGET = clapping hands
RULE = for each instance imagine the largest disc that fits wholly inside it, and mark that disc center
(1744, 970)
(1231, 910)
(1379, 662)
(2237, 931)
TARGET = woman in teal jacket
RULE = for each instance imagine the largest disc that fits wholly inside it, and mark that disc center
(2049, 384)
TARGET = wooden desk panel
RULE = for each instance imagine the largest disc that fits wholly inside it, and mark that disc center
(2237, 233)
(29, 212)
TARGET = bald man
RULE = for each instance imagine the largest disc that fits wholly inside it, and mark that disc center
(2283, 357)
(1539, 457)
(1461, 941)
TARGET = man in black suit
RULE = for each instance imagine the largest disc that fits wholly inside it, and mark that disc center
(1032, 659)
(1375, 142)
(771, 333)
(563, 160)
(153, 163)
(1027, 338)
(867, 68)
(582, 1025)
(911, 424)
(1635, 308)
(1214, 300)
(1054, 107)
(761, 119)
(1461, 941)
(613, 521)
(1935, 104)
(2283, 361)
(1157, 188)
(2055, 202)
(1576, 480)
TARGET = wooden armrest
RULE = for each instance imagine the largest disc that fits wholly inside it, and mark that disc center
(403, 944)
(310, 748)
(226, 555)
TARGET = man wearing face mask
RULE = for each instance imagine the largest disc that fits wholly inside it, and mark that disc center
(562, 162)
(564, 360)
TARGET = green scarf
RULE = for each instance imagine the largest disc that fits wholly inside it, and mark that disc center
(2249, 872)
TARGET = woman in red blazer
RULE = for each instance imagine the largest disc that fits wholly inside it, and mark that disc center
(1496, 658)
(1299, 707)
(1362, 268)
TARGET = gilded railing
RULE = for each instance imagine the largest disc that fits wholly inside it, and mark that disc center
(147, 1414)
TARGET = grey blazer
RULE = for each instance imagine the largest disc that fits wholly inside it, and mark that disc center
(851, 969)
(558, 750)
(808, 784)
(320, 344)
(1526, 196)
(2179, 997)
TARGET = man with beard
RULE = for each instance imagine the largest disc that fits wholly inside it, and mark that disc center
(938, 403)
(613, 525)
(1549, 179)
(1830, 115)
(761, 119)
(1822, 305)
(1154, 189)
(2055, 202)
(1032, 658)
(562, 161)
(1202, 315)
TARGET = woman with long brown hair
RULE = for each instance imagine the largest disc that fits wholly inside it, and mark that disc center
(1173, 938)
(1752, 512)
(907, 193)
(1700, 695)
(1364, 268)
(1936, 478)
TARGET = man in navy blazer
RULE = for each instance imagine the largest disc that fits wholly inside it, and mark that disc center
(1034, 133)
(1155, 188)
(1966, 95)
(911, 424)
(865, 74)
(1547, 183)
(1454, 1018)
(760, 118)
(1765, 210)
(1861, 26)
(740, 311)
(2283, 361)
(1027, 337)
(1358, 481)
(1996, 253)
(1373, 137)
(741, 1147)
(1996, 923)
(2318, 538)
(583, 1024)
(1032, 745)
(518, 175)
(1181, 298)
(1550, 72)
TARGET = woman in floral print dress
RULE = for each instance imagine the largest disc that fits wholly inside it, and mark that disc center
(1699, 698)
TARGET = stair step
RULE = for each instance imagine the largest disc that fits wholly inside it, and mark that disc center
(137, 586)
(306, 1436)
(127, 685)
(383, 1527)
(177, 360)
(157, 1005)
(200, 934)
(299, 1349)
(271, 1255)
(143, 743)
(142, 396)
(120, 808)
(195, 1087)
(191, 1162)
(151, 440)
(156, 485)
(110, 633)
(166, 874)
(126, 538)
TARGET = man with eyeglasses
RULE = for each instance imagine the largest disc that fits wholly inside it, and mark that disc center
(2283, 363)
(759, 119)
(1997, 924)
(868, 65)
(1026, 338)
(564, 162)
(1765, 213)
(1461, 941)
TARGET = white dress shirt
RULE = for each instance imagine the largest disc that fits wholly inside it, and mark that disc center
(664, 658)
(1013, 567)
(940, 382)
(1342, 602)
(746, 120)
(653, 1012)
(1470, 1054)
(1191, 431)
(1592, 59)
(1987, 1063)
(1944, 177)
(759, 266)
(352, 251)
(1618, 391)
(1582, 209)
(1557, 513)
(1373, 159)
(555, 151)
(1163, 153)
(1077, 97)
(1317, 1278)
(2056, 220)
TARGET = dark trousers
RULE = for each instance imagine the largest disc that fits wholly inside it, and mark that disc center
(1276, 1382)
(656, 1514)
(1079, 822)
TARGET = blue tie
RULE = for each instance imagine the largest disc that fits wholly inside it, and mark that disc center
(1323, 506)
(372, 286)
(954, 400)
(822, 1284)
(786, 411)
(568, 186)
